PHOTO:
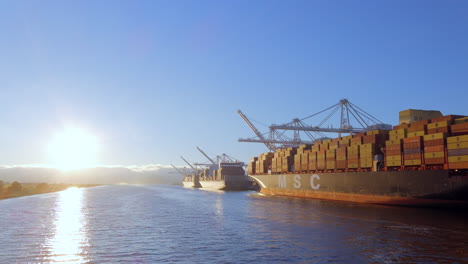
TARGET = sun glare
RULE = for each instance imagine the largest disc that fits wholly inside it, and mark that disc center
(73, 148)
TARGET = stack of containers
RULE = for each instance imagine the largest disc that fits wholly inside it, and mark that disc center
(436, 127)
(434, 147)
(321, 165)
(460, 127)
(287, 160)
(412, 149)
(417, 129)
(394, 147)
(301, 158)
(457, 148)
(366, 152)
(276, 162)
(331, 153)
(341, 157)
(305, 160)
(353, 156)
(330, 157)
(264, 164)
(252, 165)
(373, 142)
(312, 164)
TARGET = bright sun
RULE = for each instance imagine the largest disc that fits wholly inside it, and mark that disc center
(73, 148)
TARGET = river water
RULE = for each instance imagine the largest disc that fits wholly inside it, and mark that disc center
(171, 224)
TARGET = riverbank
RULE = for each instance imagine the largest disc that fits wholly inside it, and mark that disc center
(16, 189)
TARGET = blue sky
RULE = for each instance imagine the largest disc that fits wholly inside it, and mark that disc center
(154, 79)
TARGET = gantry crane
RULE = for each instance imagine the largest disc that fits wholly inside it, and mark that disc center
(273, 138)
(347, 110)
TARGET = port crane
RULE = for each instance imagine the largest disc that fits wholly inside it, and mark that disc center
(348, 112)
(219, 159)
(179, 171)
(274, 137)
(191, 166)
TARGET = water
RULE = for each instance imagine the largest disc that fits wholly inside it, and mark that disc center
(170, 224)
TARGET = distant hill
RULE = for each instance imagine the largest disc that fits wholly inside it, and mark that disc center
(150, 174)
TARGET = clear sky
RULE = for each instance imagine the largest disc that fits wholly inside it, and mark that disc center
(151, 80)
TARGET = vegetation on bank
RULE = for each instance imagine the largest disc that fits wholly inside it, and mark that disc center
(16, 189)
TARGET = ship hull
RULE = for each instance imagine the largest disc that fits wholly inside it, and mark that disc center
(229, 183)
(407, 188)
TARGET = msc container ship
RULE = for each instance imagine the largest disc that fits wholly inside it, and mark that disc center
(418, 163)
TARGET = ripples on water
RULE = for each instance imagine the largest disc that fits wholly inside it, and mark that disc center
(170, 224)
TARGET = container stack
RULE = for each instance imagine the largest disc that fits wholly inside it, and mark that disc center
(353, 156)
(341, 157)
(394, 146)
(301, 158)
(460, 128)
(287, 159)
(251, 168)
(457, 148)
(264, 162)
(439, 143)
(434, 147)
(412, 150)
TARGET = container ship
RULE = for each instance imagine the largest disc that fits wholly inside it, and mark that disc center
(228, 177)
(225, 174)
(423, 161)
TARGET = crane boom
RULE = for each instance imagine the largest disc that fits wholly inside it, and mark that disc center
(204, 154)
(269, 145)
(177, 170)
(189, 164)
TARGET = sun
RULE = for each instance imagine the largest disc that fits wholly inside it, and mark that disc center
(73, 148)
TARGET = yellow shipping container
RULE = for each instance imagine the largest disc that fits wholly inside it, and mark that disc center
(366, 162)
(416, 134)
(430, 155)
(393, 142)
(413, 162)
(331, 165)
(377, 132)
(456, 139)
(463, 158)
(445, 123)
(347, 137)
(461, 120)
(459, 145)
(393, 158)
(394, 163)
(435, 136)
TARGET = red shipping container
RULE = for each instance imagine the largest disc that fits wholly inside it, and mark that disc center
(393, 152)
(434, 148)
(411, 156)
(341, 164)
(434, 142)
(463, 127)
(413, 139)
(417, 128)
(420, 123)
(444, 118)
(435, 161)
(439, 130)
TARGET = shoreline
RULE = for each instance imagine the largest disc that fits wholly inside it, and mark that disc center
(15, 189)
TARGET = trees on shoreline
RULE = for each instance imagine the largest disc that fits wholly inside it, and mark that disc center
(16, 189)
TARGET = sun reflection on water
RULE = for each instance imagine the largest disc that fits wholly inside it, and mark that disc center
(70, 241)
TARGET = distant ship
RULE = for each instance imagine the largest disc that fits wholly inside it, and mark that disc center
(225, 174)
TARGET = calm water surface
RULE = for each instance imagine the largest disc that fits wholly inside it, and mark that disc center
(170, 224)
